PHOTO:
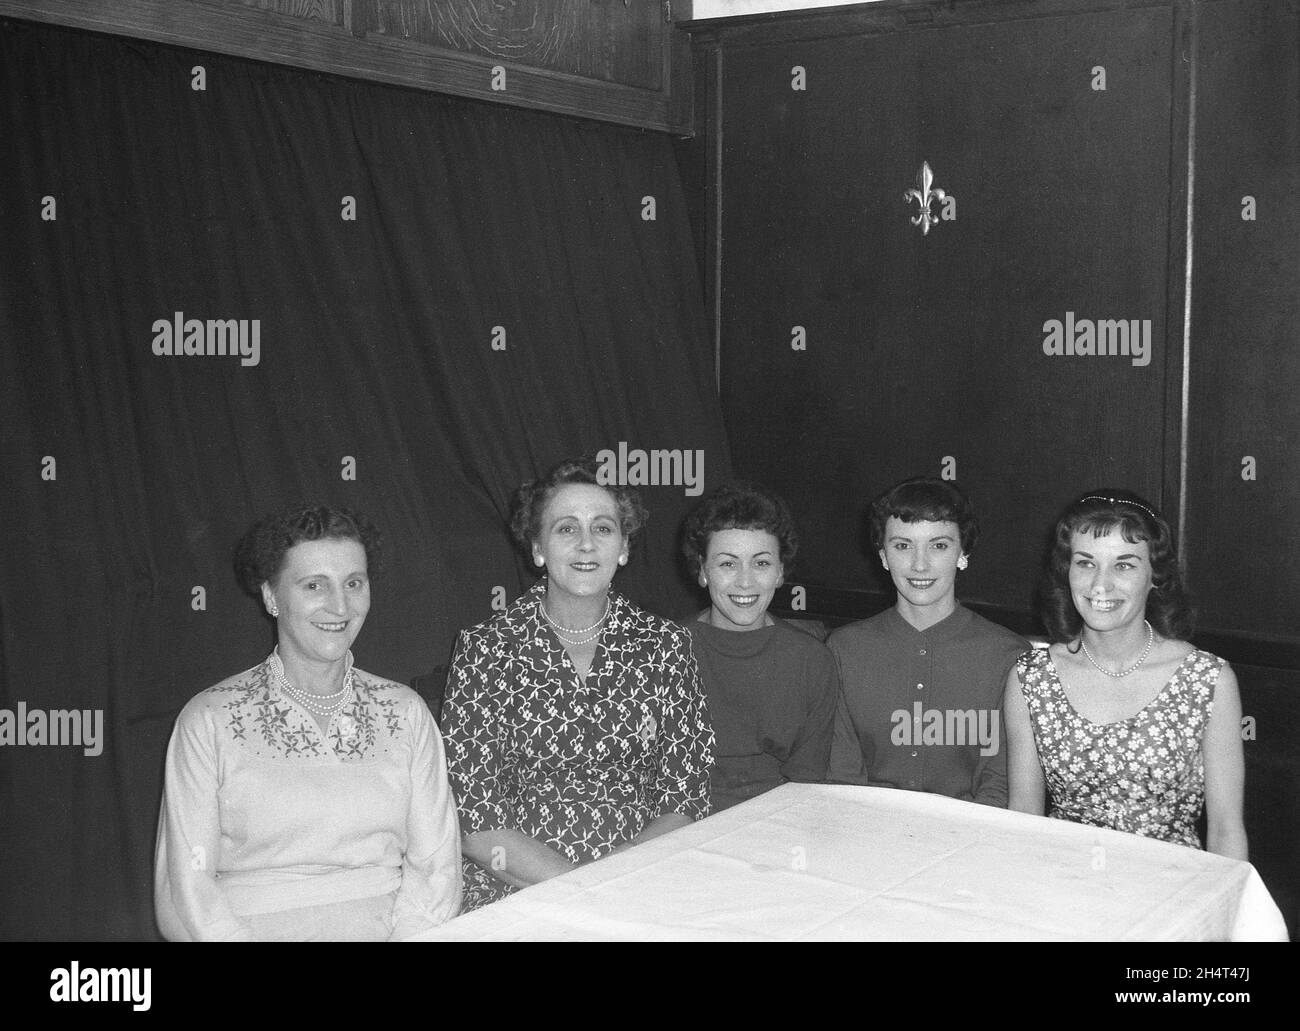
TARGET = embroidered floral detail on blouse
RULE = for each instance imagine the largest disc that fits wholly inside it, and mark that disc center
(259, 716)
(1144, 774)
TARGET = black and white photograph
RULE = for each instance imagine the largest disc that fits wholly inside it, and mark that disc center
(650, 471)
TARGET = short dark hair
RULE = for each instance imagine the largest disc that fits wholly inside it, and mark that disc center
(532, 498)
(925, 499)
(738, 506)
(259, 555)
(1168, 608)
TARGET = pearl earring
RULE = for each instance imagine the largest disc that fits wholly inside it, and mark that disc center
(540, 560)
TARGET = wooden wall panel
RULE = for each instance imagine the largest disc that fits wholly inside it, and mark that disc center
(600, 59)
(610, 41)
(331, 12)
(1270, 698)
(1245, 369)
(921, 346)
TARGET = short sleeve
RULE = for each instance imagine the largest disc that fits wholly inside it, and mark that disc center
(687, 743)
(472, 732)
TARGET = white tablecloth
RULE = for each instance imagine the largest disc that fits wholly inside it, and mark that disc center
(849, 863)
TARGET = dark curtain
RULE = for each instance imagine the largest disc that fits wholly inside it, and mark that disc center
(376, 342)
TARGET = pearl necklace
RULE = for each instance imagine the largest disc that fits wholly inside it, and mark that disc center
(575, 642)
(1151, 636)
(575, 638)
(317, 704)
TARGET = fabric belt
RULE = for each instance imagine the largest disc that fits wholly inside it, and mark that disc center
(269, 891)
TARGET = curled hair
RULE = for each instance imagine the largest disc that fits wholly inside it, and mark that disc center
(259, 555)
(1099, 512)
(738, 506)
(532, 498)
(925, 499)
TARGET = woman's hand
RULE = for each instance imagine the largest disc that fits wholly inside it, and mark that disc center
(515, 858)
(656, 828)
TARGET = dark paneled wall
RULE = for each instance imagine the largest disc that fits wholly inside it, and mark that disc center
(922, 347)
(1271, 699)
(1122, 203)
(1244, 378)
(1245, 340)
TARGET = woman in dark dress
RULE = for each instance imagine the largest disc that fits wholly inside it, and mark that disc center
(772, 689)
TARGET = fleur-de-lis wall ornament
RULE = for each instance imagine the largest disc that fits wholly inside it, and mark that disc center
(924, 195)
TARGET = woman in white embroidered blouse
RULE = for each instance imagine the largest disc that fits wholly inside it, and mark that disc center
(305, 798)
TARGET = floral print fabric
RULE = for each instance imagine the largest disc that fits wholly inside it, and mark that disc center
(1144, 774)
(581, 767)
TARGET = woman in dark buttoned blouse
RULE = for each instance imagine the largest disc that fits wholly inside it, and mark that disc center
(575, 721)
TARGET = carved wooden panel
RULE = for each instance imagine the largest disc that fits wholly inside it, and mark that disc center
(606, 39)
(611, 60)
(330, 11)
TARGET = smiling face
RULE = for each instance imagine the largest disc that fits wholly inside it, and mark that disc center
(322, 594)
(742, 571)
(581, 540)
(1109, 579)
(922, 560)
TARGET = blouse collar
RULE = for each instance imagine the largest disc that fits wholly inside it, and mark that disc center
(946, 629)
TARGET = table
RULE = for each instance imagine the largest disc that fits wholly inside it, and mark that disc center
(819, 862)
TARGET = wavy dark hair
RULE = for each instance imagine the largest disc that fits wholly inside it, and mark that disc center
(925, 499)
(532, 498)
(738, 506)
(1099, 512)
(259, 555)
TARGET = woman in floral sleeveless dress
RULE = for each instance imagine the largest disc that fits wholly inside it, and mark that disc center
(1121, 722)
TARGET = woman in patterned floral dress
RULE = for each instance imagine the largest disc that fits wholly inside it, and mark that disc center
(575, 722)
(1121, 721)
(305, 798)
